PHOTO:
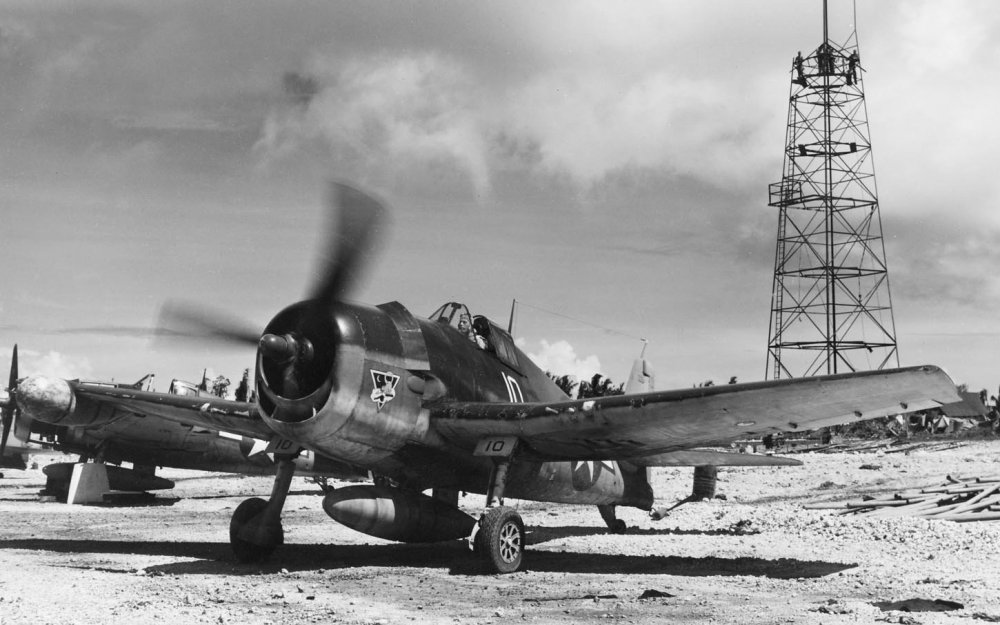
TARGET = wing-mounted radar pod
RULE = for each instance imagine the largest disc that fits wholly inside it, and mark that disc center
(54, 401)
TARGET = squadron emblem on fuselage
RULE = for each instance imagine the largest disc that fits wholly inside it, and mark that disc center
(385, 387)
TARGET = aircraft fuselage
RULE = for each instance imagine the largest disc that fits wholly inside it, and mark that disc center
(386, 369)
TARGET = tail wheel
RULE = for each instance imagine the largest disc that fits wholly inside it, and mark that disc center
(246, 551)
(500, 540)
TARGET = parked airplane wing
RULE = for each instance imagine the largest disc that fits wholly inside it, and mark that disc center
(632, 426)
(209, 412)
(696, 457)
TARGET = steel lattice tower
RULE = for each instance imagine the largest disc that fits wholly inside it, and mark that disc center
(831, 311)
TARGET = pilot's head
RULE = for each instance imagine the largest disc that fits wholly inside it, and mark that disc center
(464, 323)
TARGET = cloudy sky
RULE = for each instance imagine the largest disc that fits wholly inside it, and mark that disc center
(607, 162)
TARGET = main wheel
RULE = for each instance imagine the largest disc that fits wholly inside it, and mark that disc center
(500, 540)
(245, 550)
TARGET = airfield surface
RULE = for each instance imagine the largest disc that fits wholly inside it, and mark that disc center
(756, 557)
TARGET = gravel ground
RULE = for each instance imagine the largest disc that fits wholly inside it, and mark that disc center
(756, 557)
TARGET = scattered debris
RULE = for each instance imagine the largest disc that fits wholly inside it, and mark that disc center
(651, 593)
(918, 605)
(971, 499)
(883, 445)
(871, 467)
(832, 606)
(902, 620)
(742, 527)
(590, 597)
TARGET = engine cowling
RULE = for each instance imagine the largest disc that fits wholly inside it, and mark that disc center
(396, 514)
(295, 362)
(340, 380)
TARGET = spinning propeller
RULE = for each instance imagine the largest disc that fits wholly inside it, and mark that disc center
(304, 333)
(9, 408)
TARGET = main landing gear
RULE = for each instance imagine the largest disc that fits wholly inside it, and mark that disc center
(616, 525)
(499, 537)
(255, 529)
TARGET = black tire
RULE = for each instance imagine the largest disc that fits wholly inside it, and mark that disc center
(500, 540)
(245, 551)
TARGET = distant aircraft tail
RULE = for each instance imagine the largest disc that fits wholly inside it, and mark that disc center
(642, 379)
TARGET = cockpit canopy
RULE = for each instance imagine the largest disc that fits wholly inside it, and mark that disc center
(451, 313)
(489, 336)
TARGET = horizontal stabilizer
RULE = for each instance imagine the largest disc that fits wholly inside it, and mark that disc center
(698, 457)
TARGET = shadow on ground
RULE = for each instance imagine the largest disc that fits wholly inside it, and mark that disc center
(216, 558)
(541, 535)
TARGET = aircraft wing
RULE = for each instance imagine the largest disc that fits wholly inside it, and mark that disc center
(695, 457)
(207, 412)
(647, 424)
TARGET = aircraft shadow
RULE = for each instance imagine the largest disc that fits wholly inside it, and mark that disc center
(540, 535)
(263, 495)
(135, 502)
(216, 558)
(138, 502)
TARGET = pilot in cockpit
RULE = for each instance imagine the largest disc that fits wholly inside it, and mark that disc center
(466, 327)
(458, 316)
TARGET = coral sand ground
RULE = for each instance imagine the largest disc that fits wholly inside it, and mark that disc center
(756, 557)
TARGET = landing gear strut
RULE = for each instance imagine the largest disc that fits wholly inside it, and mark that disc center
(616, 525)
(255, 528)
(499, 536)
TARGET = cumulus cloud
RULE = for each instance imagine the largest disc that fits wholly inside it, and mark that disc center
(932, 110)
(591, 123)
(393, 115)
(560, 358)
(53, 364)
(384, 115)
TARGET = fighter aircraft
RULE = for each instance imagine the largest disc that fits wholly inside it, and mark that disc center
(448, 403)
(146, 441)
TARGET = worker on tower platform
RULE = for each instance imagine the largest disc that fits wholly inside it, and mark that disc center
(800, 78)
(825, 58)
(852, 68)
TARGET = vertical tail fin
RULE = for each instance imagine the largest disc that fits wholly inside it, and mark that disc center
(642, 378)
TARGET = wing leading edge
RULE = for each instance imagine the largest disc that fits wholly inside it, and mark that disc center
(695, 457)
(634, 426)
(207, 412)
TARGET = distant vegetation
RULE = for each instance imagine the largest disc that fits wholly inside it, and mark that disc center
(599, 386)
